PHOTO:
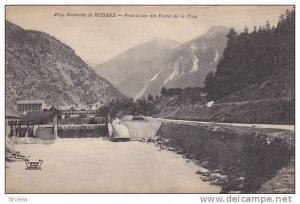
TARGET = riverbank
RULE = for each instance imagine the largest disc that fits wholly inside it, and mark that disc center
(247, 157)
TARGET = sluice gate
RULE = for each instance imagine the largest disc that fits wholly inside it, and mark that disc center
(82, 131)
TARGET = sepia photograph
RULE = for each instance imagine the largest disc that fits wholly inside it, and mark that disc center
(186, 99)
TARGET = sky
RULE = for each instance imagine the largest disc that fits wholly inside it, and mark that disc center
(99, 39)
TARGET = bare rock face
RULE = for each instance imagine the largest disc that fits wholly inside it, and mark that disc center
(38, 66)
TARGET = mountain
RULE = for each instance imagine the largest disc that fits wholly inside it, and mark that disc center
(130, 70)
(215, 31)
(145, 69)
(38, 66)
(91, 64)
(254, 82)
(188, 65)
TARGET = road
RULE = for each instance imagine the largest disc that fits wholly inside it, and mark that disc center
(268, 126)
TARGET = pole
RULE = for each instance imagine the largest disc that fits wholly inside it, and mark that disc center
(55, 121)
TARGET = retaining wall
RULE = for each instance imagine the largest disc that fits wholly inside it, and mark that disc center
(254, 154)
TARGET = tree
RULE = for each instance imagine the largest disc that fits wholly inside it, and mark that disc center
(246, 30)
(287, 14)
(273, 28)
(254, 29)
(231, 35)
(210, 85)
(249, 59)
(281, 18)
(150, 98)
(156, 99)
(267, 26)
(163, 90)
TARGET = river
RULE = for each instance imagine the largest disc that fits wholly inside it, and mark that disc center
(89, 165)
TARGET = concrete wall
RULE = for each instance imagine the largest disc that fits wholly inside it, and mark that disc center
(83, 132)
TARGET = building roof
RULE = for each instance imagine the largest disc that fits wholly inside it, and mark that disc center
(72, 108)
(64, 107)
(30, 102)
(52, 108)
(80, 107)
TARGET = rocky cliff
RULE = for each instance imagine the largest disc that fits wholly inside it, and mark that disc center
(38, 66)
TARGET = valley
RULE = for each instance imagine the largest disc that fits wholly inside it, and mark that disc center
(214, 113)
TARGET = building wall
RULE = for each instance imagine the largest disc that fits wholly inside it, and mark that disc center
(30, 107)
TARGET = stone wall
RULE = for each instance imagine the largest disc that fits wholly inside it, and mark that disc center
(238, 152)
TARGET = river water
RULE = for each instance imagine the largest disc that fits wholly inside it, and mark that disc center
(89, 165)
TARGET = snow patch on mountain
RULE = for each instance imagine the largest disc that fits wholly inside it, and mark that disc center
(174, 73)
(155, 76)
(171, 76)
(216, 56)
(195, 65)
(142, 92)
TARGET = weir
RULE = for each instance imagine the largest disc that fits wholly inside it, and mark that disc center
(50, 130)
(142, 129)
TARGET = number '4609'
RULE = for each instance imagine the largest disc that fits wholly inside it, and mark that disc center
(59, 14)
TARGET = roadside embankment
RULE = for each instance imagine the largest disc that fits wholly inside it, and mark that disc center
(260, 111)
(240, 159)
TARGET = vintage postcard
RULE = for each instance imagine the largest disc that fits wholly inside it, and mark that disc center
(150, 99)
